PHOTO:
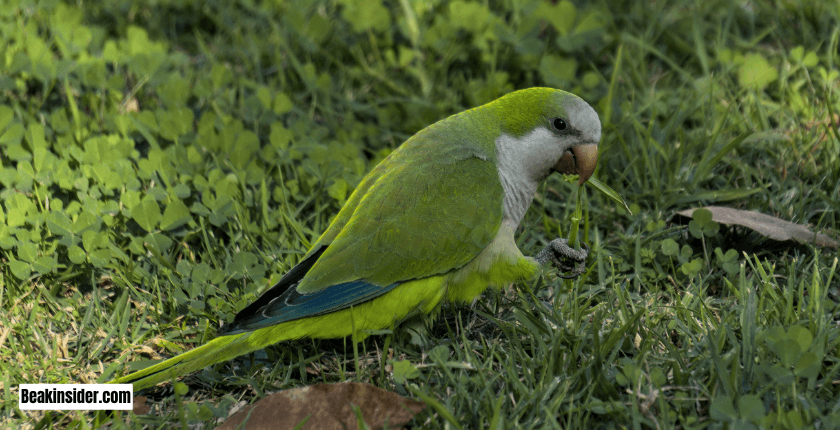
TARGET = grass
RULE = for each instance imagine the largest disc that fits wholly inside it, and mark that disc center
(258, 120)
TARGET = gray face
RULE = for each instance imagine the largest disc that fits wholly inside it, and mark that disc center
(583, 120)
(582, 137)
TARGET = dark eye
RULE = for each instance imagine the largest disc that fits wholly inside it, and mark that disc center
(559, 124)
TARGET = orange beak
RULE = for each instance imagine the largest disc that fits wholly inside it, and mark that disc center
(580, 161)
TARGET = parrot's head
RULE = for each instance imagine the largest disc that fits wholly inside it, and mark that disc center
(556, 131)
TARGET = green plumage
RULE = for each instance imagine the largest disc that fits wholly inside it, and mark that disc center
(427, 223)
(429, 194)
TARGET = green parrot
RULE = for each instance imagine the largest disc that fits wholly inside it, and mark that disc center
(434, 220)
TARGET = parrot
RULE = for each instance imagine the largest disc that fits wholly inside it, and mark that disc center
(434, 221)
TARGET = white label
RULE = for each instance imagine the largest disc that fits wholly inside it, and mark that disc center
(75, 397)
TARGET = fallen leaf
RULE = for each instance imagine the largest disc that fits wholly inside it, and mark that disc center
(767, 225)
(326, 406)
(139, 406)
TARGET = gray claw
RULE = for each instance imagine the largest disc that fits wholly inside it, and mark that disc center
(558, 250)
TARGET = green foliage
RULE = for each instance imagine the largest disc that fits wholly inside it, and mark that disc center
(403, 370)
(161, 163)
(702, 225)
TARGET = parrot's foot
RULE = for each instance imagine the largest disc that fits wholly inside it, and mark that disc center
(558, 251)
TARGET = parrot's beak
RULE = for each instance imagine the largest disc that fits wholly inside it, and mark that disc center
(580, 160)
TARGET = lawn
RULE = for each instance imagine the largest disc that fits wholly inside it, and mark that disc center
(164, 162)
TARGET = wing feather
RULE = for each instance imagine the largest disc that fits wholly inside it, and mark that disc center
(427, 209)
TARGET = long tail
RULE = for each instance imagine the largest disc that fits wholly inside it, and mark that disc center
(217, 350)
(422, 295)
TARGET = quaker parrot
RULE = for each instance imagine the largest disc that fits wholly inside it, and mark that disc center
(434, 220)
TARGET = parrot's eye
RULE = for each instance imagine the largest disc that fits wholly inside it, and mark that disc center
(559, 124)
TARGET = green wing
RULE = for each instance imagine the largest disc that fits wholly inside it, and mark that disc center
(429, 208)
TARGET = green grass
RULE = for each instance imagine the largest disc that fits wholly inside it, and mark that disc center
(161, 163)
